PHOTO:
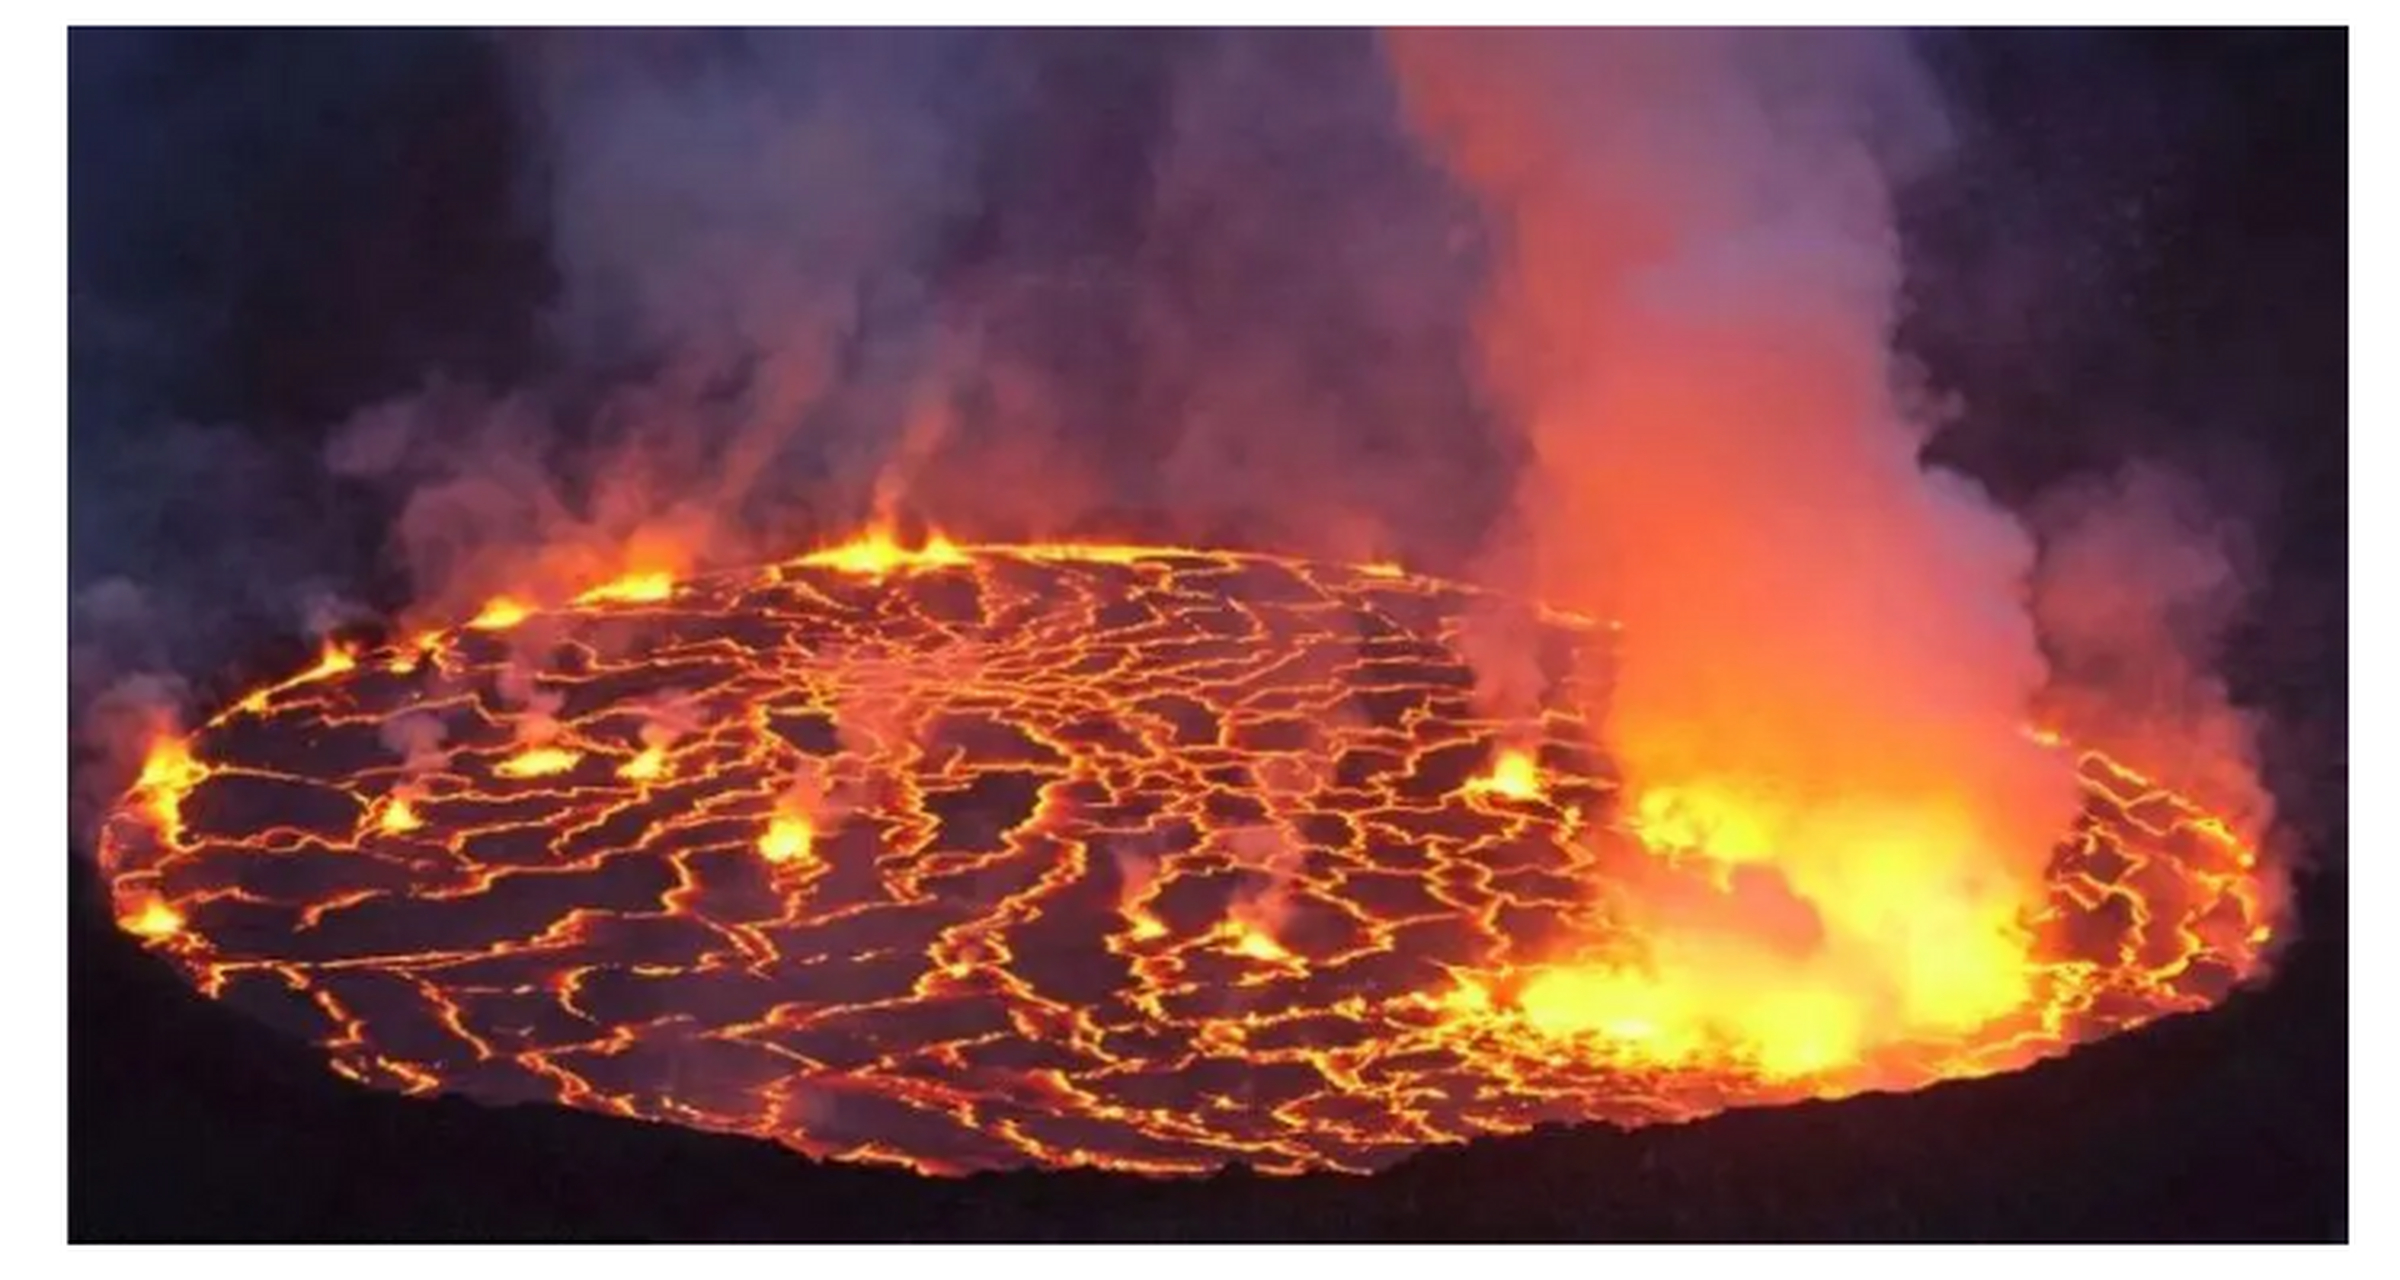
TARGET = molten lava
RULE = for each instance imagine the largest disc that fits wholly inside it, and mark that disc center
(1153, 859)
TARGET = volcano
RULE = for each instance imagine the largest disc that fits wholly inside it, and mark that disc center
(1148, 859)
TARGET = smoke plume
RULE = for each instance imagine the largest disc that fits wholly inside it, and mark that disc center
(1829, 655)
(1604, 318)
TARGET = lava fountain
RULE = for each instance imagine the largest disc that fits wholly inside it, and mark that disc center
(959, 858)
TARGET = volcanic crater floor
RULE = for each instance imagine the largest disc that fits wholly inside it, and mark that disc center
(1150, 860)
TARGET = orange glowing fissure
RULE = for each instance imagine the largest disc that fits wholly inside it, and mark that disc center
(1139, 858)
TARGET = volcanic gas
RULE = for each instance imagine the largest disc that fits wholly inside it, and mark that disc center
(1155, 859)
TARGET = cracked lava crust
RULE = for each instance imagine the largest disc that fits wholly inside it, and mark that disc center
(1147, 859)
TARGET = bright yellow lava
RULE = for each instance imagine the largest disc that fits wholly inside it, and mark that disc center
(1514, 776)
(538, 762)
(155, 919)
(645, 767)
(878, 553)
(400, 817)
(637, 588)
(500, 614)
(789, 839)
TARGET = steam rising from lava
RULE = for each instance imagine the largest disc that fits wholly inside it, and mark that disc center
(813, 282)
(1828, 655)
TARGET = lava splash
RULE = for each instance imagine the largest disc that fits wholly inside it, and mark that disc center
(968, 858)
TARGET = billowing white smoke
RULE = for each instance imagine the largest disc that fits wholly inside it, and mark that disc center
(1828, 658)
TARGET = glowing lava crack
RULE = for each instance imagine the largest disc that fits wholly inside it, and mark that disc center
(965, 858)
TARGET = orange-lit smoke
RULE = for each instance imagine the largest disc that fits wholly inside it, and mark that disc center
(417, 740)
(775, 340)
(666, 721)
(1137, 878)
(2136, 588)
(1827, 661)
(124, 727)
(1255, 918)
